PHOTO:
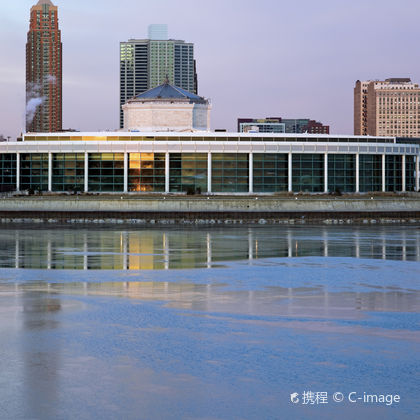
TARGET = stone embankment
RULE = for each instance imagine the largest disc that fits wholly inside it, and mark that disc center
(211, 209)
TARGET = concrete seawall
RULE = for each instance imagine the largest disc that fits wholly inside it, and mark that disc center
(207, 209)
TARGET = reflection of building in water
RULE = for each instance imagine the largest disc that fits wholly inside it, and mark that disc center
(41, 358)
(158, 249)
(145, 252)
(217, 297)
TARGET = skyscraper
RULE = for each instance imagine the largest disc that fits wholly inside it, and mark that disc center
(387, 108)
(146, 63)
(44, 70)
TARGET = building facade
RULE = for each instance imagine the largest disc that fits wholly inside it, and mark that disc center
(44, 70)
(209, 163)
(387, 108)
(146, 63)
(282, 125)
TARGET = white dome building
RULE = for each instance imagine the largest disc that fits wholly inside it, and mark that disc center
(167, 108)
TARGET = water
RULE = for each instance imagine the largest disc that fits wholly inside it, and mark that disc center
(208, 323)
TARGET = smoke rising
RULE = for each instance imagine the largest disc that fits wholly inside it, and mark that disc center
(34, 99)
(50, 79)
(31, 108)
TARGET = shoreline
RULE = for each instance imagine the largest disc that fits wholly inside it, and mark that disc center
(210, 210)
(208, 222)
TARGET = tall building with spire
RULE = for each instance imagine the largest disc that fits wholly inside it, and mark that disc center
(44, 70)
(146, 63)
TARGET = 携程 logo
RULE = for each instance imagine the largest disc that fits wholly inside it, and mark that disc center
(294, 398)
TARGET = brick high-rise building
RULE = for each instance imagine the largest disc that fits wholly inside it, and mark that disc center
(387, 108)
(44, 70)
(360, 108)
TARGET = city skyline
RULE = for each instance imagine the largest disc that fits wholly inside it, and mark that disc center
(273, 63)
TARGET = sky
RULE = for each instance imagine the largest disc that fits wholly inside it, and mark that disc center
(254, 58)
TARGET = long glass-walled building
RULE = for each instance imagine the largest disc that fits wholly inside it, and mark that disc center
(208, 163)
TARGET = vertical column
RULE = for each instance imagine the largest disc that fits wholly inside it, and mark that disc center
(417, 172)
(404, 247)
(125, 250)
(403, 173)
(125, 172)
(17, 249)
(251, 173)
(289, 170)
(49, 171)
(326, 172)
(325, 240)
(383, 247)
(166, 173)
(17, 171)
(166, 251)
(357, 244)
(49, 253)
(250, 245)
(289, 244)
(209, 258)
(86, 171)
(85, 252)
(383, 174)
(357, 173)
(209, 171)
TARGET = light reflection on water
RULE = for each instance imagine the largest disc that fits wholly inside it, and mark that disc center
(301, 301)
(250, 315)
(162, 249)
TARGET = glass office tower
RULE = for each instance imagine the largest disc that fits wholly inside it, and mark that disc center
(146, 63)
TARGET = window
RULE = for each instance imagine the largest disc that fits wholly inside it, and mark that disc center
(341, 173)
(68, 171)
(146, 172)
(230, 172)
(34, 171)
(308, 172)
(270, 172)
(106, 172)
(370, 173)
(410, 171)
(188, 172)
(7, 172)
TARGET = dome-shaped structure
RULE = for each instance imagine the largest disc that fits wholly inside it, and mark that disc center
(41, 2)
(167, 108)
(167, 91)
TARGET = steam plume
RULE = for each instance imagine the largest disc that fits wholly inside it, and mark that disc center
(34, 99)
(50, 79)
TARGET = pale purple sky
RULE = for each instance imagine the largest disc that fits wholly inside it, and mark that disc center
(255, 58)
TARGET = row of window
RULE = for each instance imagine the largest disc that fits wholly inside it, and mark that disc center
(188, 172)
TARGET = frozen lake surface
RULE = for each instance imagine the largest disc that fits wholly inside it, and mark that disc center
(209, 323)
